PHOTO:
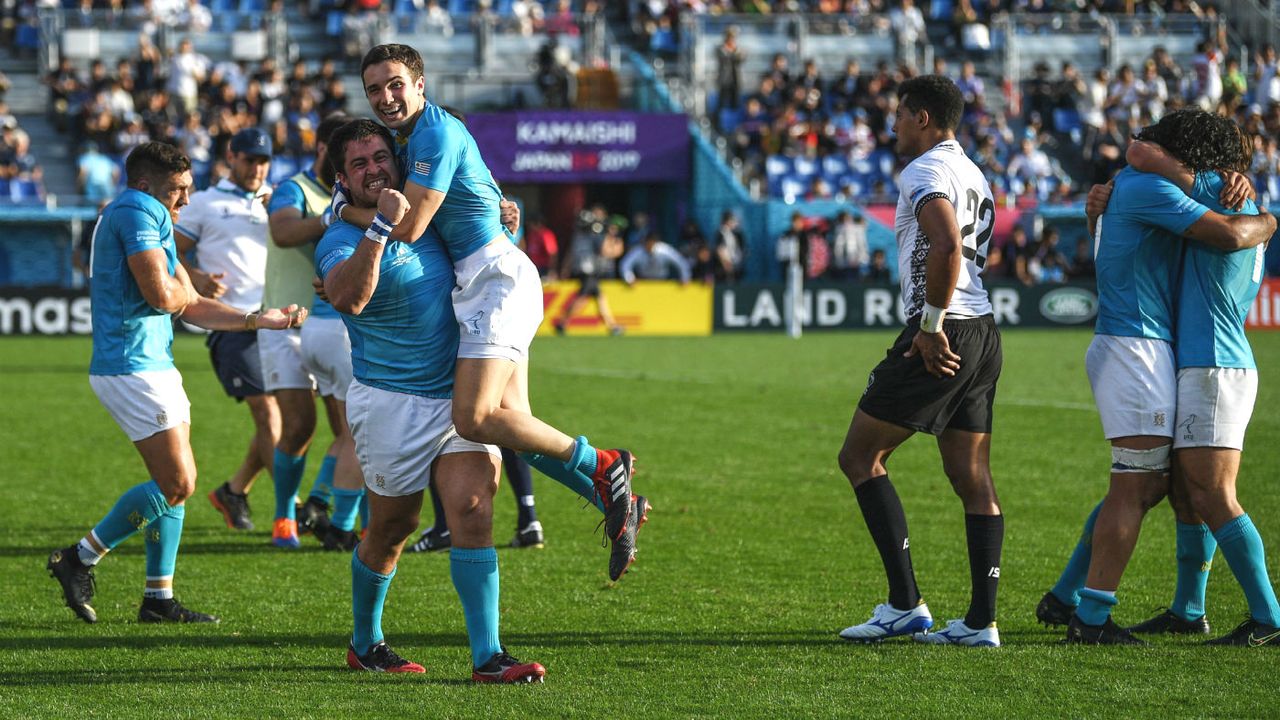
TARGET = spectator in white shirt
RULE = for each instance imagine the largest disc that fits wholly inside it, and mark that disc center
(850, 245)
(653, 260)
(195, 17)
(187, 68)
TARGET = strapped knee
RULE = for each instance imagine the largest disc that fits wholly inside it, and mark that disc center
(1128, 460)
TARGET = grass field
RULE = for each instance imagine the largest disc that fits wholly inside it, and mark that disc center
(754, 558)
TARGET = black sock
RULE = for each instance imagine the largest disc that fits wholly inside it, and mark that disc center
(441, 523)
(985, 534)
(882, 511)
(521, 480)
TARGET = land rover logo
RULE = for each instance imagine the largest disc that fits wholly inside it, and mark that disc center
(1069, 306)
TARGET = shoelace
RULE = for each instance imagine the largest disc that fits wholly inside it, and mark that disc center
(86, 585)
(383, 655)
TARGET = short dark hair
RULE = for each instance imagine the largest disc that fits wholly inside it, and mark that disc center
(393, 52)
(154, 161)
(355, 131)
(936, 95)
(329, 125)
(1201, 140)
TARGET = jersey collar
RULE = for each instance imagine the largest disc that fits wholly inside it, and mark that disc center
(226, 186)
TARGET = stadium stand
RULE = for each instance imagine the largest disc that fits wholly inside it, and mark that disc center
(790, 101)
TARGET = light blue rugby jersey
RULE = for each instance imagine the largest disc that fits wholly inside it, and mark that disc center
(406, 339)
(129, 335)
(1214, 293)
(288, 195)
(1138, 255)
(441, 155)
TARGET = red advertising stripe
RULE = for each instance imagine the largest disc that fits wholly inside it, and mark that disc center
(1265, 312)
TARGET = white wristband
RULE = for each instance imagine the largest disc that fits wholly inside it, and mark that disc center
(379, 230)
(931, 319)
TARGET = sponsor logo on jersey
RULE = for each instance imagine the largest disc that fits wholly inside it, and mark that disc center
(1069, 305)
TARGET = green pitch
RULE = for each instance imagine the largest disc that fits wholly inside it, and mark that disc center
(754, 557)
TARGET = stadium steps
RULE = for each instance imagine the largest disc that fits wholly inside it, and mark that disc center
(26, 96)
(54, 153)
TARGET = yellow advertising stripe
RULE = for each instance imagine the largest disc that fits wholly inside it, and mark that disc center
(646, 308)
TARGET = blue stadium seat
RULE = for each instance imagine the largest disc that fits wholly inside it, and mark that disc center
(793, 187)
(941, 10)
(25, 191)
(27, 37)
(283, 167)
(252, 6)
(6, 192)
(729, 119)
(806, 167)
(460, 7)
(775, 166)
(1068, 121)
(835, 165)
(333, 23)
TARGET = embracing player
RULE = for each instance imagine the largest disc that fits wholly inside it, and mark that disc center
(394, 298)
(1170, 351)
(498, 295)
(940, 375)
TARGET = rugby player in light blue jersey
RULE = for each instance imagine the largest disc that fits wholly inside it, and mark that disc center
(1217, 387)
(498, 298)
(1132, 368)
(394, 298)
(137, 289)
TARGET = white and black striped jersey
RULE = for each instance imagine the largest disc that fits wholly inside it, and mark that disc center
(945, 172)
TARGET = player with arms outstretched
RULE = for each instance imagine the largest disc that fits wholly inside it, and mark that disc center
(138, 288)
(940, 375)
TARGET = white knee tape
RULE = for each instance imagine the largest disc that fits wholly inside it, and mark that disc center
(1126, 460)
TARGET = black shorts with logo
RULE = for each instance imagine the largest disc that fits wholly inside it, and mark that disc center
(236, 362)
(902, 392)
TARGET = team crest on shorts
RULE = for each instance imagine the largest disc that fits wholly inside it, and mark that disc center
(871, 380)
(1188, 427)
(1157, 419)
(380, 480)
(162, 418)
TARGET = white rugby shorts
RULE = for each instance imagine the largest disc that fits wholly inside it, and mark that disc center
(280, 352)
(144, 403)
(497, 300)
(399, 436)
(1134, 385)
(1214, 407)
(326, 355)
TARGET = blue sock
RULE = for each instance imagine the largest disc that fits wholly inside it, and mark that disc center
(1242, 547)
(368, 593)
(475, 576)
(1068, 588)
(1095, 606)
(575, 480)
(139, 506)
(584, 456)
(345, 505)
(364, 511)
(1195, 554)
(286, 474)
(323, 485)
(163, 536)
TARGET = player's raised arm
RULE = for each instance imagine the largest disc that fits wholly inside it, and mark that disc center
(350, 284)
(290, 229)
(1233, 232)
(1146, 156)
(162, 291)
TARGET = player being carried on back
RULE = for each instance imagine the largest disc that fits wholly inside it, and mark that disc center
(497, 298)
